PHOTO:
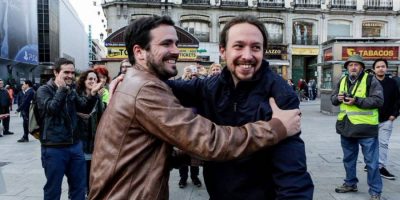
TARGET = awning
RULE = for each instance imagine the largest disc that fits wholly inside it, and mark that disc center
(277, 62)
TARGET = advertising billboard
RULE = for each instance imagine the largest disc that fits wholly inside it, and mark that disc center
(19, 31)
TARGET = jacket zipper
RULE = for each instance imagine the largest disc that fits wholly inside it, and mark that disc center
(234, 107)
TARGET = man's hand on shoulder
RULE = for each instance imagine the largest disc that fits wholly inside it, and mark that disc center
(289, 118)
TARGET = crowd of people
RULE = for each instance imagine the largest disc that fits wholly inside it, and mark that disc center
(119, 139)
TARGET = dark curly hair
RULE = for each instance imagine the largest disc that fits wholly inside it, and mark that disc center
(80, 87)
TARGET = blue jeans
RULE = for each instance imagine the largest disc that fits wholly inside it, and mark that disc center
(370, 150)
(385, 131)
(68, 161)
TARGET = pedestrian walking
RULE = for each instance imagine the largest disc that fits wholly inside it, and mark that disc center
(5, 102)
(29, 93)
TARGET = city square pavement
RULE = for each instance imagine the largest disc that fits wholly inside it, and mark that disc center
(23, 175)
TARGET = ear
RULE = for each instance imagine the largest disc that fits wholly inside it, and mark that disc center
(55, 73)
(222, 52)
(139, 52)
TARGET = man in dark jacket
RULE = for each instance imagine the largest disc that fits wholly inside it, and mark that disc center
(62, 152)
(5, 102)
(240, 95)
(387, 113)
(144, 120)
(24, 108)
(359, 96)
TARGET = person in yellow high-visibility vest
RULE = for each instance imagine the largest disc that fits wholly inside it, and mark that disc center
(359, 96)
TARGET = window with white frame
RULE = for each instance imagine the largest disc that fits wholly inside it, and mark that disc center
(275, 32)
(373, 29)
(198, 29)
(339, 28)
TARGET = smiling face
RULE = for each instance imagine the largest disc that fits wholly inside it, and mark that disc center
(244, 51)
(91, 79)
(215, 70)
(163, 52)
(66, 74)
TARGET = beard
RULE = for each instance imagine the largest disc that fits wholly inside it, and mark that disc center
(159, 67)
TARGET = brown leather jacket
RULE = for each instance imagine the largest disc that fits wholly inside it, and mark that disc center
(142, 123)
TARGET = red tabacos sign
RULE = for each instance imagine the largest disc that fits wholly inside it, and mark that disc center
(371, 53)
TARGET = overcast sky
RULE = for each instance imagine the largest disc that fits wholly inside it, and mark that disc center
(88, 13)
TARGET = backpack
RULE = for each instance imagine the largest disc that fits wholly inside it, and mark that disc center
(34, 119)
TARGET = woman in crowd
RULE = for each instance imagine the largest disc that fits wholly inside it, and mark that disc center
(89, 117)
(102, 72)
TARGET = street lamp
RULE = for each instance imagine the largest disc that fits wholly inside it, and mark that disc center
(101, 36)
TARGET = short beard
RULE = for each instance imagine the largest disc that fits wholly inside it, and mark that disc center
(158, 69)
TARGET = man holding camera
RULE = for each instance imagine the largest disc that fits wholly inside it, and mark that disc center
(359, 96)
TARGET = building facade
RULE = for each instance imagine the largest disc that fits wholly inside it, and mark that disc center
(18, 40)
(59, 33)
(296, 28)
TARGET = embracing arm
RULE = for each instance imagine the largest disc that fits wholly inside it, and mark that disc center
(162, 115)
(187, 91)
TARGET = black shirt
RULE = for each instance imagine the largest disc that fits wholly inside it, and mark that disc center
(391, 99)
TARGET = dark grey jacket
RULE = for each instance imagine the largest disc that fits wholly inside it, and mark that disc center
(57, 107)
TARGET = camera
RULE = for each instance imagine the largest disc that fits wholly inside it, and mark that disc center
(347, 96)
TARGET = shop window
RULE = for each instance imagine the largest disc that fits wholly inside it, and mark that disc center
(339, 28)
(327, 78)
(200, 30)
(373, 29)
(275, 32)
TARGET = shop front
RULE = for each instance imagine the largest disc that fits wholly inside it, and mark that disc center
(276, 55)
(303, 63)
(335, 54)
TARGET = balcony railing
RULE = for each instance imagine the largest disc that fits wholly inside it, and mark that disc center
(308, 3)
(137, 1)
(343, 4)
(305, 40)
(196, 2)
(271, 3)
(234, 3)
(378, 4)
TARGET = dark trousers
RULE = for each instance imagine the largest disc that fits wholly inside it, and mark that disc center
(6, 121)
(183, 172)
(25, 123)
(68, 161)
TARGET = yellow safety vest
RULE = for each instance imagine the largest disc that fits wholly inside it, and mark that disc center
(355, 114)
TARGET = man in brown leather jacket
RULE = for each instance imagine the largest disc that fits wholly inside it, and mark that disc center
(144, 121)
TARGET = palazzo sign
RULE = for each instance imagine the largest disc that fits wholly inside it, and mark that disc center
(372, 53)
